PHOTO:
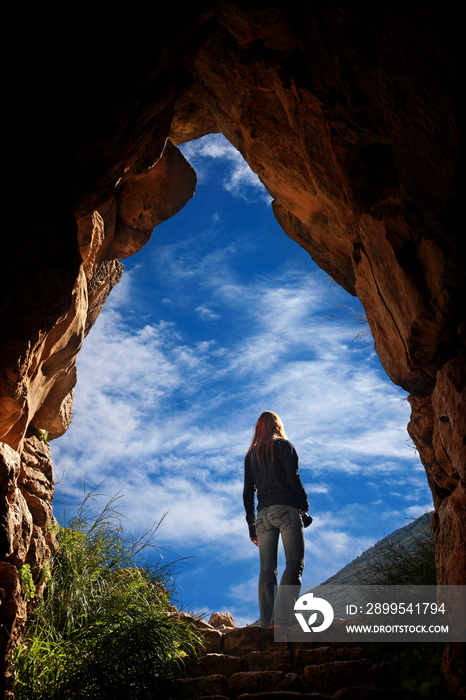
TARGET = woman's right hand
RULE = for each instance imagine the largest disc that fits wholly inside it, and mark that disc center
(255, 540)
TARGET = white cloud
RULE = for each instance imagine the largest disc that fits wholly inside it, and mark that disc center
(418, 510)
(239, 180)
(207, 314)
(318, 488)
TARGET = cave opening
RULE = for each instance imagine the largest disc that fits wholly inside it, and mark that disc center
(302, 91)
(220, 316)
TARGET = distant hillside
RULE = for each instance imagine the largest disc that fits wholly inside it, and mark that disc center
(358, 571)
(354, 572)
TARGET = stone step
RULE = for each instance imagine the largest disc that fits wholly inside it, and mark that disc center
(268, 661)
(368, 693)
(324, 679)
(348, 693)
(247, 664)
(212, 664)
(281, 695)
(212, 686)
(238, 641)
(330, 677)
(285, 660)
(263, 681)
(249, 682)
(351, 693)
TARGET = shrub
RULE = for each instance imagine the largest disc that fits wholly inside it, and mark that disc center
(105, 627)
(27, 582)
(401, 564)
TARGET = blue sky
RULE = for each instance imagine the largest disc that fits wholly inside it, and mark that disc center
(220, 317)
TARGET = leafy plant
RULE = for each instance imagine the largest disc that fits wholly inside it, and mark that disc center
(412, 669)
(27, 582)
(105, 626)
(43, 435)
(403, 564)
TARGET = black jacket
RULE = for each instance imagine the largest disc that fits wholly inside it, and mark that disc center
(276, 482)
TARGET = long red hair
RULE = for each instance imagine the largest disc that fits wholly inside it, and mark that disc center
(268, 427)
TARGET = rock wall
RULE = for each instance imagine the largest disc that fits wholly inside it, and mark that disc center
(350, 119)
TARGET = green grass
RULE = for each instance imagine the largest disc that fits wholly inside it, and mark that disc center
(105, 627)
(398, 564)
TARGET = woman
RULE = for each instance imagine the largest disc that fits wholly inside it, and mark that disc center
(271, 468)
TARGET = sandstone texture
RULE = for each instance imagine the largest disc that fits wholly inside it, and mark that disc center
(28, 529)
(349, 117)
(221, 620)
